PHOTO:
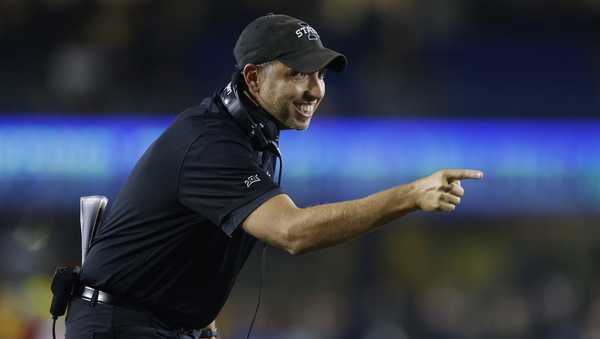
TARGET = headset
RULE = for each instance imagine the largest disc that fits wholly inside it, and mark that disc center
(256, 131)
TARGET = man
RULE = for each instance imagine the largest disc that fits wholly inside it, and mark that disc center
(165, 259)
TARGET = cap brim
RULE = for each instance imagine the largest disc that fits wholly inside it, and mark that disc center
(313, 60)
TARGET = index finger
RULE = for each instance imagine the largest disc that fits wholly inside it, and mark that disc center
(458, 174)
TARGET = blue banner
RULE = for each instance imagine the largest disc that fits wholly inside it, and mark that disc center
(531, 166)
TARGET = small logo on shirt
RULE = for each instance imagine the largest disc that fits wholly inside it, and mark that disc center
(251, 180)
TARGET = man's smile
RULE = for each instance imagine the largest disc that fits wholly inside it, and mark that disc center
(305, 109)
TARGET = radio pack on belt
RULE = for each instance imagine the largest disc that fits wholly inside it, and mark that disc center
(64, 284)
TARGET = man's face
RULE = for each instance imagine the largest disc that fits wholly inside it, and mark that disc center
(291, 97)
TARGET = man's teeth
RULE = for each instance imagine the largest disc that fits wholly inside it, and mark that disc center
(305, 108)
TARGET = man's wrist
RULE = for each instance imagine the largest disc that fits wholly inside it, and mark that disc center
(407, 198)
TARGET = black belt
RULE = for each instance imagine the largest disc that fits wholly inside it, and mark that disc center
(93, 295)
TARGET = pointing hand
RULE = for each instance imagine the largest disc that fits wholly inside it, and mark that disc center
(442, 190)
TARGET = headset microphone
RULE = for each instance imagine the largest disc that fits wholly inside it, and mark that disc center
(230, 98)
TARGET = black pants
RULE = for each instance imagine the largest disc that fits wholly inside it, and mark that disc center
(102, 321)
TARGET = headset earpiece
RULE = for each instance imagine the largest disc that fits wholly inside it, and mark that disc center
(235, 107)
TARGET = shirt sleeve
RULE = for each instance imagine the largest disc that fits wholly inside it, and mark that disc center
(221, 179)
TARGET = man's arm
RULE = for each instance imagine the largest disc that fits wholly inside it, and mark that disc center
(298, 230)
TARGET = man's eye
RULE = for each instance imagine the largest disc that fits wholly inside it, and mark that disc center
(322, 74)
(297, 75)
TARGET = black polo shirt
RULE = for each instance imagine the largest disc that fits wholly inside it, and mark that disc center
(172, 240)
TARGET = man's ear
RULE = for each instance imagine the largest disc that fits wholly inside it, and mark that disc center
(250, 73)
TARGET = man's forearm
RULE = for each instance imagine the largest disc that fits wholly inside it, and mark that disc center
(329, 224)
(297, 230)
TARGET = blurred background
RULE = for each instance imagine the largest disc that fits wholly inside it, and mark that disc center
(508, 87)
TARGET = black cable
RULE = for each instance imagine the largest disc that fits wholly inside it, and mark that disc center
(53, 327)
(260, 284)
(263, 258)
(280, 169)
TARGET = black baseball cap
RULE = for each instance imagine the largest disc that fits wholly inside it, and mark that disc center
(289, 40)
